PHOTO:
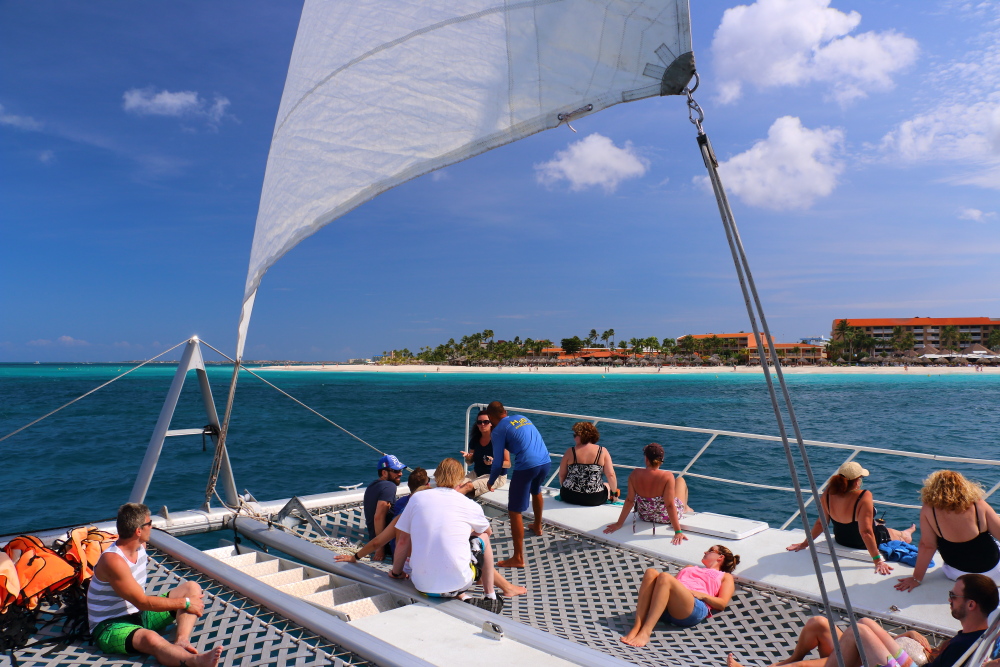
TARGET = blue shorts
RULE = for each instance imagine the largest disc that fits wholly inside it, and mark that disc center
(698, 614)
(524, 483)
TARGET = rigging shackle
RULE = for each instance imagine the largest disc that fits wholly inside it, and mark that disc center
(695, 113)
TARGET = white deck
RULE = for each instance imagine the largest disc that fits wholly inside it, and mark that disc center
(764, 561)
(443, 640)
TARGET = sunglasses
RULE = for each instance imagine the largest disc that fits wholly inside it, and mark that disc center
(952, 596)
(148, 523)
(482, 423)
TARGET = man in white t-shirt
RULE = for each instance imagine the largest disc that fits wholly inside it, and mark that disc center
(447, 537)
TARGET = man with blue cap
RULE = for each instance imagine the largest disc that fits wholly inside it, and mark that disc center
(379, 497)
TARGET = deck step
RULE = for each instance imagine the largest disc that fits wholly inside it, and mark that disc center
(333, 594)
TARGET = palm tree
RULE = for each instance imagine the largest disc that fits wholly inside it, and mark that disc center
(993, 341)
(635, 343)
(591, 337)
(668, 345)
(611, 337)
(605, 336)
(488, 335)
(901, 340)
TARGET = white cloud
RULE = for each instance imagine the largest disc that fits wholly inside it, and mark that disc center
(975, 214)
(47, 157)
(41, 342)
(592, 161)
(788, 170)
(963, 127)
(186, 103)
(20, 122)
(793, 42)
(69, 341)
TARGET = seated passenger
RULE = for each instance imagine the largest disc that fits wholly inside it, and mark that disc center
(957, 523)
(655, 494)
(447, 538)
(416, 481)
(687, 599)
(583, 468)
(851, 510)
(971, 599)
(480, 455)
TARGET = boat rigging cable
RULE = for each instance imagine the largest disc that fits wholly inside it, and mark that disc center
(135, 368)
(221, 444)
(754, 309)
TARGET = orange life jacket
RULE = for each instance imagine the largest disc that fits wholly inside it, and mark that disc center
(40, 570)
(83, 547)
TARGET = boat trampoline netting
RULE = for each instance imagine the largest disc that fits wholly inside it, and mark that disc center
(252, 635)
(584, 591)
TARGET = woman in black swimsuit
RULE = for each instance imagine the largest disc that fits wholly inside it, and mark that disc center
(957, 523)
(845, 498)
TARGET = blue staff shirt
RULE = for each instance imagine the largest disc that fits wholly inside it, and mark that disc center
(519, 437)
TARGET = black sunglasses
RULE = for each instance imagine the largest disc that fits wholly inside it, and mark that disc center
(148, 523)
(482, 423)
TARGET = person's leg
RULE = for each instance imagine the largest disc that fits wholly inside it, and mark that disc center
(508, 589)
(815, 635)
(904, 535)
(668, 595)
(681, 491)
(486, 579)
(642, 604)
(537, 504)
(171, 655)
(517, 536)
(880, 652)
(185, 622)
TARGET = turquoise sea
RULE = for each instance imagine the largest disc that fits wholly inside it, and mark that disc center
(80, 464)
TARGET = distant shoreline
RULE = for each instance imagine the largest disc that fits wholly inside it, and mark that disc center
(648, 370)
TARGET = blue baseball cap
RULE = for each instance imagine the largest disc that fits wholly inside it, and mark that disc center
(389, 462)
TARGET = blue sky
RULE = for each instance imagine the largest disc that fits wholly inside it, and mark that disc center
(860, 143)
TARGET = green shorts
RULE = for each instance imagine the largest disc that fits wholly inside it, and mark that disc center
(115, 634)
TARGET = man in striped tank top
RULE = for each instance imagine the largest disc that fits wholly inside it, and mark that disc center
(123, 619)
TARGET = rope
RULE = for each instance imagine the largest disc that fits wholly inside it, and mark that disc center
(216, 464)
(754, 308)
(46, 416)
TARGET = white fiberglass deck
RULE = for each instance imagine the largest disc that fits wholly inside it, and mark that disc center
(764, 561)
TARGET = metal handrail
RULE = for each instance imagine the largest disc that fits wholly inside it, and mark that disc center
(715, 433)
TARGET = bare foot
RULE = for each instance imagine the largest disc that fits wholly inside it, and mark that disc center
(513, 591)
(639, 640)
(731, 661)
(908, 533)
(536, 528)
(511, 562)
(187, 646)
(208, 658)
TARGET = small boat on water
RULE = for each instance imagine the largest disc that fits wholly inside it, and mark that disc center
(376, 97)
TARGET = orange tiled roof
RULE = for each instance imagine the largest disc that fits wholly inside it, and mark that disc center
(918, 321)
(787, 346)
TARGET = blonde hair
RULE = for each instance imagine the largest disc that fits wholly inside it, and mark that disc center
(950, 491)
(448, 474)
(587, 432)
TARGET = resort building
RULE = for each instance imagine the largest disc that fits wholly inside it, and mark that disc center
(925, 330)
(728, 342)
(791, 353)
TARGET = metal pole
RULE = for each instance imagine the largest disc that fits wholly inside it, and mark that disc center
(754, 308)
(155, 446)
(226, 471)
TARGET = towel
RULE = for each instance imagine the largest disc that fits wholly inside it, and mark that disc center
(901, 552)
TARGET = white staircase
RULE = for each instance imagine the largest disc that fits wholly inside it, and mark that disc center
(333, 594)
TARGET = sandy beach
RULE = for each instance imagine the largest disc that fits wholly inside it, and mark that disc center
(639, 370)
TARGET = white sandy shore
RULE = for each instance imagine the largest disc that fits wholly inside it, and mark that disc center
(600, 370)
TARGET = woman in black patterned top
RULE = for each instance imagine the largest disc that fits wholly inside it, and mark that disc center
(583, 468)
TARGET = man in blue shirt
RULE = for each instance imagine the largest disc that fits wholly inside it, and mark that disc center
(519, 436)
(379, 497)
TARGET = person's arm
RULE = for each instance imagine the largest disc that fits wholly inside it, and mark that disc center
(609, 472)
(380, 541)
(725, 596)
(925, 551)
(992, 520)
(563, 467)
(668, 501)
(866, 517)
(817, 527)
(499, 454)
(626, 508)
(381, 518)
(117, 574)
(403, 545)
(506, 459)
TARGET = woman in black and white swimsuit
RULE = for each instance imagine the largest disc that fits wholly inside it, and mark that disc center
(584, 467)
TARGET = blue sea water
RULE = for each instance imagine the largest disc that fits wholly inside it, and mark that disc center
(80, 464)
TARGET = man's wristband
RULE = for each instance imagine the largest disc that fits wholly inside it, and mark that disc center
(877, 558)
(187, 603)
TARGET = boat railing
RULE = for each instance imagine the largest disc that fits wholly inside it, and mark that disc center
(713, 434)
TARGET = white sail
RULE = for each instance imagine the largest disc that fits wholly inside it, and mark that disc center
(380, 92)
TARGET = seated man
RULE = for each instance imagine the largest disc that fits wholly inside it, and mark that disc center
(971, 599)
(123, 619)
(379, 497)
(417, 479)
(447, 538)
